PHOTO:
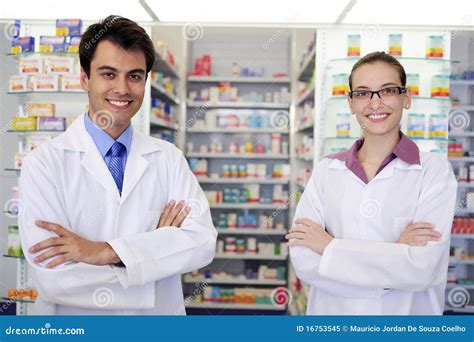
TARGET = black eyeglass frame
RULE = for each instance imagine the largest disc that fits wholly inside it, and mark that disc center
(401, 90)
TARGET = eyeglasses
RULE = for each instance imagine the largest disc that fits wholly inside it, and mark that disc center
(383, 94)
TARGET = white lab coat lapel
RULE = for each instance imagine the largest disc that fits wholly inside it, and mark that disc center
(136, 165)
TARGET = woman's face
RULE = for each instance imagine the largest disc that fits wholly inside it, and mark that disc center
(378, 116)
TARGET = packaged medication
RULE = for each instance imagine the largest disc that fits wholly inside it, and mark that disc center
(45, 82)
(14, 246)
(73, 45)
(439, 126)
(276, 143)
(24, 124)
(31, 65)
(22, 45)
(59, 65)
(71, 83)
(68, 27)
(20, 83)
(41, 109)
(353, 45)
(416, 125)
(34, 141)
(413, 84)
(435, 47)
(52, 124)
(395, 45)
(440, 86)
(53, 44)
(343, 125)
(340, 84)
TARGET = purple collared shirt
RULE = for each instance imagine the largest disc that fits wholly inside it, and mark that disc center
(406, 150)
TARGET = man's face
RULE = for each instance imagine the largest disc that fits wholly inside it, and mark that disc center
(116, 84)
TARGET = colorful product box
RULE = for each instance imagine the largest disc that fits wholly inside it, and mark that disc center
(53, 44)
(395, 45)
(31, 65)
(24, 124)
(353, 45)
(45, 82)
(73, 45)
(59, 65)
(14, 246)
(22, 45)
(68, 27)
(71, 83)
(20, 83)
(52, 124)
(41, 109)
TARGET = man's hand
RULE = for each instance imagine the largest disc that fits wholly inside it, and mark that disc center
(68, 246)
(418, 234)
(173, 215)
(309, 234)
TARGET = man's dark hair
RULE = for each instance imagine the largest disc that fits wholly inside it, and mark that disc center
(380, 56)
(120, 31)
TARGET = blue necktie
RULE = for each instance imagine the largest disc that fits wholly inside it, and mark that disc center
(116, 164)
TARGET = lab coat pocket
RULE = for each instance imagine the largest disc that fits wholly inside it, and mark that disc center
(399, 225)
(153, 218)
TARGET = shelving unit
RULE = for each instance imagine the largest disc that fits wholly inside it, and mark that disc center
(206, 118)
(67, 102)
(159, 127)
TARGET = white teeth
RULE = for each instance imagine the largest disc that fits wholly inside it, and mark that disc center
(119, 103)
(377, 116)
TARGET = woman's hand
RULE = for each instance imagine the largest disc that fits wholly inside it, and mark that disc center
(309, 234)
(418, 234)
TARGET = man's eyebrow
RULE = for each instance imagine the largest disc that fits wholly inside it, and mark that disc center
(137, 71)
(107, 67)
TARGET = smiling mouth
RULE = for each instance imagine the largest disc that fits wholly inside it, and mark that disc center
(119, 104)
(378, 117)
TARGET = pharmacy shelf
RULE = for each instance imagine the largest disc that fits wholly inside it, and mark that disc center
(230, 180)
(17, 300)
(463, 211)
(462, 236)
(461, 159)
(13, 256)
(249, 105)
(401, 59)
(453, 261)
(249, 256)
(160, 123)
(465, 185)
(237, 156)
(467, 287)
(162, 93)
(467, 108)
(305, 157)
(35, 131)
(308, 94)
(455, 134)
(46, 92)
(162, 65)
(237, 79)
(468, 83)
(305, 126)
(251, 231)
(237, 130)
(307, 68)
(460, 310)
(234, 306)
(37, 53)
(12, 170)
(189, 279)
(255, 206)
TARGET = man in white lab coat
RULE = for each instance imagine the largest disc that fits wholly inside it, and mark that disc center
(111, 217)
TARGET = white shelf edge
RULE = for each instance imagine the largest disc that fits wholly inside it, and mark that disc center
(159, 88)
(250, 231)
(249, 256)
(233, 306)
(188, 279)
(243, 180)
(237, 156)
(248, 206)
(238, 79)
(263, 105)
(237, 130)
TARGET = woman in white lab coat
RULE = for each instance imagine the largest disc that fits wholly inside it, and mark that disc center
(372, 229)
